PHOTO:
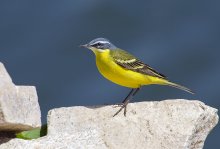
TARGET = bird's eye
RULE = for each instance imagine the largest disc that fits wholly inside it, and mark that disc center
(97, 45)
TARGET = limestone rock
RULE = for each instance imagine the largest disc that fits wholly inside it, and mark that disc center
(168, 124)
(19, 108)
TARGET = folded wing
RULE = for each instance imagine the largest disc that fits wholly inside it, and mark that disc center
(128, 61)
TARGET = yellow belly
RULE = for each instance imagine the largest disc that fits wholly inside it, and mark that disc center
(115, 73)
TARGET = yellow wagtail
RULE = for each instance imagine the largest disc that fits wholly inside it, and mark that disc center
(125, 69)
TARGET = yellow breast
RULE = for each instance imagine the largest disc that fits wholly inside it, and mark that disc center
(115, 73)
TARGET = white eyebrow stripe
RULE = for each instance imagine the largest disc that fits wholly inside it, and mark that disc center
(100, 42)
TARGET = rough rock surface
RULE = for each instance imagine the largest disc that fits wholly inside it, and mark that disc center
(19, 108)
(169, 124)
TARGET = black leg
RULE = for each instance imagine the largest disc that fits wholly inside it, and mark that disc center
(130, 94)
(126, 101)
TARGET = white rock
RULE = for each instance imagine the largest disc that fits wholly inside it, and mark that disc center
(19, 108)
(169, 124)
(5, 79)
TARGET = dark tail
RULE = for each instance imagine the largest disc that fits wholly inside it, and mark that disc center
(179, 87)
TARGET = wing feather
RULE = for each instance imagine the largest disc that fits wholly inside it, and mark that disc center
(128, 61)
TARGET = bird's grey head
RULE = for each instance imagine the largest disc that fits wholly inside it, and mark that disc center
(101, 43)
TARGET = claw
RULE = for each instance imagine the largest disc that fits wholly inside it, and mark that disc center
(123, 106)
(125, 102)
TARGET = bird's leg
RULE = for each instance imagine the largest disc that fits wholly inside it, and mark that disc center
(126, 101)
(127, 97)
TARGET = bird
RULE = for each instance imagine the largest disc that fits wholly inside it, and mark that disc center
(122, 68)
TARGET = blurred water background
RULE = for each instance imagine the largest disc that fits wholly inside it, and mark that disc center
(39, 46)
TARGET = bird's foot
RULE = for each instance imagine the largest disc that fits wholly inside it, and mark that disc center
(123, 106)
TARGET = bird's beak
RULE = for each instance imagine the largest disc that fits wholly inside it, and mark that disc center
(84, 45)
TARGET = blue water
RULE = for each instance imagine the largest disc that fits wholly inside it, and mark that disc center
(181, 39)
